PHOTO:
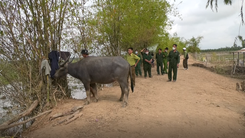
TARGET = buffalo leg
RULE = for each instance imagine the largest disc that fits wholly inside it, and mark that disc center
(125, 92)
(122, 93)
(94, 91)
(87, 88)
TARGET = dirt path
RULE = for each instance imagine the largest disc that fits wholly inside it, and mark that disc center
(201, 104)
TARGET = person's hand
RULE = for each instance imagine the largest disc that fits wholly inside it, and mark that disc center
(135, 64)
(168, 63)
(177, 65)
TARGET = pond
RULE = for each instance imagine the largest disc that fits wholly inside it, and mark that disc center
(75, 85)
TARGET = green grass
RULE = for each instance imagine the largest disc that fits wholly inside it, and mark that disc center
(219, 57)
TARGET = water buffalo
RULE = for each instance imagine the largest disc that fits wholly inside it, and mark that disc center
(103, 70)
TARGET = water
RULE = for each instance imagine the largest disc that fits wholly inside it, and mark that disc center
(76, 87)
(5, 104)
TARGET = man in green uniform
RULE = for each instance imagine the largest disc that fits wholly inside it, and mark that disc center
(147, 58)
(159, 58)
(133, 61)
(138, 68)
(173, 63)
(165, 60)
(185, 60)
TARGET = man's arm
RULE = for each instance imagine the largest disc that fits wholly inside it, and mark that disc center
(142, 50)
(148, 61)
(169, 56)
(178, 58)
(136, 57)
(137, 62)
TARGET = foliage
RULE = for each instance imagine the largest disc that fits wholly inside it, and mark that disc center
(121, 24)
(193, 44)
(169, 41)
(227, 2)
(225, 49)
(29, 30)
(242, 40)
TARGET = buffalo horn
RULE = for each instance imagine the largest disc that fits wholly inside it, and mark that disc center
(61, 65)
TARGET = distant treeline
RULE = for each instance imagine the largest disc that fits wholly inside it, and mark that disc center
(222, 49)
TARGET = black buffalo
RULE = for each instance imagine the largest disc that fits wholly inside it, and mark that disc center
(103, 70)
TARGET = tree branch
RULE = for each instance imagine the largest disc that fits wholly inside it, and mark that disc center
(3, 127)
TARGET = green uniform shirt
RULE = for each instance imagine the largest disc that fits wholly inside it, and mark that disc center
(173, 57)
(159, 57)
(165, 55)
(132, 59)
(148, 57)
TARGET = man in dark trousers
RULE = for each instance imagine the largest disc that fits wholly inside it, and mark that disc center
(133, 61)
(146, 62)
(165, 60)
(173, 63)
(185, 60)
(159, 58)
(138, 67)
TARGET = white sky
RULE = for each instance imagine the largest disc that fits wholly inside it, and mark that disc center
(219, 29)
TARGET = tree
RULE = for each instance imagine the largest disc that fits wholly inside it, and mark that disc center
(29, 30)
(227, 2)
(169, 41)
(242, 41)
(193, 44)
(121, 24)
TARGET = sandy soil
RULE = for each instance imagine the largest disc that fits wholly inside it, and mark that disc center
(201, 104)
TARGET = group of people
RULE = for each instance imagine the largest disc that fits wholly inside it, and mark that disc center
(167, 62)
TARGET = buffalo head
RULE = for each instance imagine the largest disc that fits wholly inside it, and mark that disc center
(63, 70)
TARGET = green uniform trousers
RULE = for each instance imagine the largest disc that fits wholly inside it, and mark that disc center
(161, 66)
(172, 67)
(138, 70)
(165, 62)
(147, 68)
(185, 63)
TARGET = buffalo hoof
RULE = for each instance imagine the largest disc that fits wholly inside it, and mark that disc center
(87, 102)
(124, 105)
(96, 100)
(121, 99)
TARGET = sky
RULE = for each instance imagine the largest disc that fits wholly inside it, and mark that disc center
(218, 29)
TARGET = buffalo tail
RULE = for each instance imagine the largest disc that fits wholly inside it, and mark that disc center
(131, 79)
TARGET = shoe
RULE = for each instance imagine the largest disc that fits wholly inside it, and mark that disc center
(174, 80)
(168, 80)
